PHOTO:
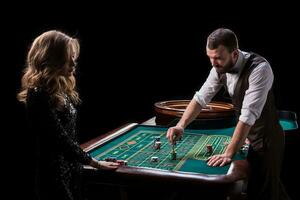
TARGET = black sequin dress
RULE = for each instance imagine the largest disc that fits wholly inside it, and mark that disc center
(59, 157)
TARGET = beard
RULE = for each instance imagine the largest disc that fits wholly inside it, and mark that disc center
(225, 68)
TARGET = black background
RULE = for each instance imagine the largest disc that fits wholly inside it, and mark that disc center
(135, 55)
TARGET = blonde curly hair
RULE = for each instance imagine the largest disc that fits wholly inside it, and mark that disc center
(50, 65)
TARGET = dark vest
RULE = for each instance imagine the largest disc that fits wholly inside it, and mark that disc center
(267, 127)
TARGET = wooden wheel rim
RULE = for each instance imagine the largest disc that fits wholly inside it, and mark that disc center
(176, 108)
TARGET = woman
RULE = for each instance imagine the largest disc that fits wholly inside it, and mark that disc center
(48, 91)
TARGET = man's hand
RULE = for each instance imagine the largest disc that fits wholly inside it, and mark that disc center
(174, 133)
(219, 160)
(239, 135)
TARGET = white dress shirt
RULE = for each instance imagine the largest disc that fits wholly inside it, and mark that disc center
(260, 82)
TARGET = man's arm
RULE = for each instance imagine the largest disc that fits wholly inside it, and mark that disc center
(208, 90)
(238, 139)
(191, 112)
(260, 82)
(239, 136)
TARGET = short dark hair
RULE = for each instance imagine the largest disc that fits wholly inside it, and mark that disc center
(223, 36)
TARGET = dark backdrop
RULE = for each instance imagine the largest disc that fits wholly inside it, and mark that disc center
(131, 59)
(129, 63)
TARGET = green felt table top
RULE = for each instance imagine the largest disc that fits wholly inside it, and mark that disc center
(136, 146)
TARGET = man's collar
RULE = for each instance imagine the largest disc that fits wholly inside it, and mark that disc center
(238, 65)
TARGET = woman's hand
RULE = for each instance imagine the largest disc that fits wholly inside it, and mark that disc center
(107, 165)
(104, 165)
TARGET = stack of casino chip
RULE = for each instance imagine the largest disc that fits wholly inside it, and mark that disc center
(209, 148)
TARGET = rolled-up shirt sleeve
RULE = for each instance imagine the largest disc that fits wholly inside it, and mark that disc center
(260, 82)
(209, 89)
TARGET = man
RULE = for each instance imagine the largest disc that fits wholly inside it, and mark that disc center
(248, 79)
